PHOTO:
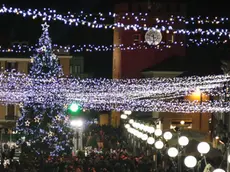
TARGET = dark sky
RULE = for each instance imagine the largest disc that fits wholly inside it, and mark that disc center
(100, 63)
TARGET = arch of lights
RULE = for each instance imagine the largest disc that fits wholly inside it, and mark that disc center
(155, 94)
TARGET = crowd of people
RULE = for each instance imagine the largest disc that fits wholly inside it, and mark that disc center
(107, 151)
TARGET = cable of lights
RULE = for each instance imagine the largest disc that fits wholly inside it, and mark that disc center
(49, 89)
(68, 19)
(128, 16)
(132, 88)
(17, 48)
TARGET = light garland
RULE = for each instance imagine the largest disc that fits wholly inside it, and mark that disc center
(18, 48)
(70, 19)
(106, 94)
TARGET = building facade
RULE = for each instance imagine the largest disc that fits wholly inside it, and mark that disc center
(198, 122)
(129, 63)
(77, 67)
(10, 113)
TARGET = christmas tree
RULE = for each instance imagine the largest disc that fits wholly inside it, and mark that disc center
(43, 126)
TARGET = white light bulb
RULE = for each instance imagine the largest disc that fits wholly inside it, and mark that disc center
(190, 161)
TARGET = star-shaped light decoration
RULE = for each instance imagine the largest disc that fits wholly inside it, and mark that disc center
(37, 119)
(65, 106)
(58, 117)
(50, 134)
(54, 56)
(27, 123)
(21, 105)
(43, 48)
(45, 27)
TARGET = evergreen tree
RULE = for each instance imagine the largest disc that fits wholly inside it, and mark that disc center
(43, 124)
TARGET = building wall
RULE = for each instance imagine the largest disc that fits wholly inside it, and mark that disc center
(104, 119)
(65, 62)
(199, 121)
(23, 67)
(130, 63)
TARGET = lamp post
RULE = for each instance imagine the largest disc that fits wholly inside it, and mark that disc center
(78, 127)
(183, 141)
(203, 148)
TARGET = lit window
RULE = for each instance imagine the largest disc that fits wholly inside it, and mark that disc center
(171, 39)
(185, 123)
(11, 65)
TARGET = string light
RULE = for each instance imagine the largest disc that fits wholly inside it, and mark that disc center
(50, 89)
(71, 19)
(20, 48)
(106, 94)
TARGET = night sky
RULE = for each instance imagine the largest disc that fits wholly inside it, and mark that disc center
(16, 28)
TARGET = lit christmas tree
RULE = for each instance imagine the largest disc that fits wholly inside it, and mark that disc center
(43, 125)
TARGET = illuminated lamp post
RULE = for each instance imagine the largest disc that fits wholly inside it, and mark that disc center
(77, 140)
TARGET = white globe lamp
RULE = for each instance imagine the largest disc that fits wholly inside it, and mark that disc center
(159, 144)
(167, 135)
(123, 116)
(127, 112)
(228, 158)
(141, 126)
(158, 132)
(144, 137)
(219, 170)
(127, 126)
(131, 121)
(203, 147)
(151, 130)
(172, 152)
(183, 141)
(190, 161)
(150, 140)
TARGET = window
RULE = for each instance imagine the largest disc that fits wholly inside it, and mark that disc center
(136, 38)
(171, 39)
(71, 69)
(77, 69)
(10, 112)
(11, 65)
(185, 123)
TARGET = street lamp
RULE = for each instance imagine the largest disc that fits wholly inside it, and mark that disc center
(173, 152)
(150, 140)
(183, 141)
(123, 116)
(218, 170)
(167, 135)
(144, 137)
(158, 132)
(190, 161)
(77, 125)
(131, 121)
(128, 112)
(159, 144)
(203, 148)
